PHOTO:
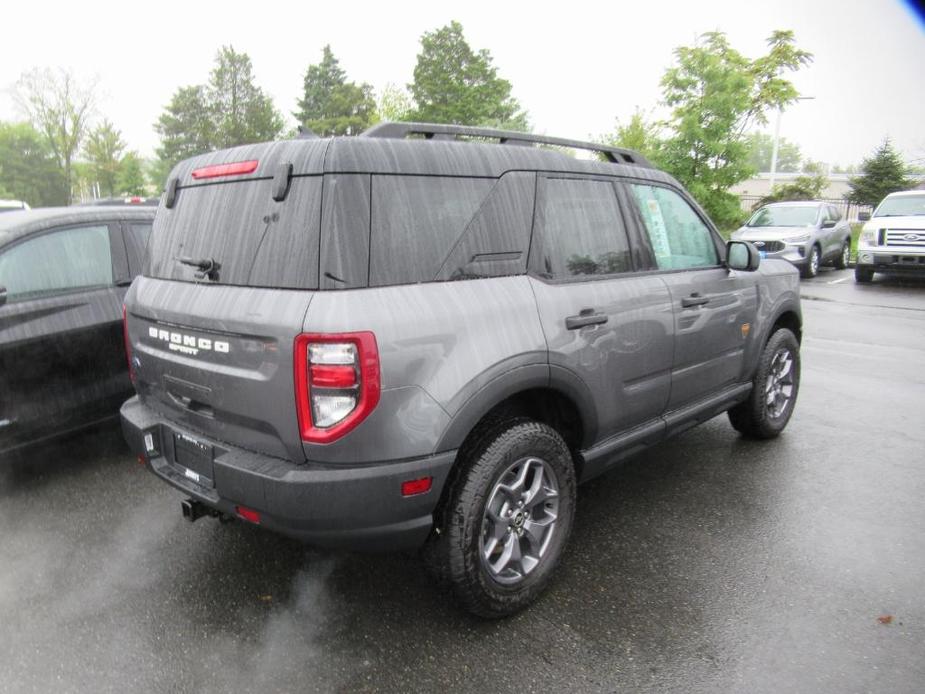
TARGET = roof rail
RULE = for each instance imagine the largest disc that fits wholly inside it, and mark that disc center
(440, 131)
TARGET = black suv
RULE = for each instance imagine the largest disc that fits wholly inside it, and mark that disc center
(63, 275)
(407, 339)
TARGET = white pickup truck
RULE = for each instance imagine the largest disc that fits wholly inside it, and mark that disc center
(893, 238)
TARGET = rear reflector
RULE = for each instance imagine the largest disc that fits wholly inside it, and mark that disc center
(128, 344)
(248, 514)
(420, 486)
(237, 168)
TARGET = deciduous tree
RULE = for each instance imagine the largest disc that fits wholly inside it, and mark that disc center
(60, 107)
(715, 95)
(28, 169)
(103, 150)
(761, 149)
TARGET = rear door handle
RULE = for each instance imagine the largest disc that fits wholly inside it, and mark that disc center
(585, 318)
(694, 300)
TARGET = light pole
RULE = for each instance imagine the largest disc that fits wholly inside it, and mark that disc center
(780, 112)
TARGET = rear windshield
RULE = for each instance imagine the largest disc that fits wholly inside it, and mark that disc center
(238, 227)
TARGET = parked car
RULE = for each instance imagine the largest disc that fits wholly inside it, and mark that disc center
(807, 234)
(13, 205)
(402, 340)
(63, 275)
(893, 238)
(129, 200)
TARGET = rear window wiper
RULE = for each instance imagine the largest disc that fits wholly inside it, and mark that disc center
(208, 267)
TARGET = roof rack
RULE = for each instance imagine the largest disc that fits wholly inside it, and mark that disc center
(440, 131)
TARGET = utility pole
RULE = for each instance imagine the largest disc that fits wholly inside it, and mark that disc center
(774, 151)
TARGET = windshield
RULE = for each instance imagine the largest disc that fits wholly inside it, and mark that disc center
(784, 217)
(902, 206)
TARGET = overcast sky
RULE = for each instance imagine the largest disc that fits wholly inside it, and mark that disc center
(575, 66)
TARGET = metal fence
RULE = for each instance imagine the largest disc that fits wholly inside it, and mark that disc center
(849, 210)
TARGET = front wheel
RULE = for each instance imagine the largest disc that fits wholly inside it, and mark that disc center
(776, 384)
(841, 262)
(508, 518)
(811, 266)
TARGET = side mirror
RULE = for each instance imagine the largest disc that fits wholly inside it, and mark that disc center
(863, 216)
(742, 255)
(828, 224)
(2, 295)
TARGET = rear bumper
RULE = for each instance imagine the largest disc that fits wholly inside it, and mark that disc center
(354, 507)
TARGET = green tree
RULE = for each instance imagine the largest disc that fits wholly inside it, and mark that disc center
(761, 151)
(395, 104)
(185, 128)
(716, 94)
(131, 178)
(881, 174)
(639, 134)
(800, 188)
(104, 149)
(330, 105)
(230, 110)
(240, 112)
(28, 169)
(60, 108)
(454, 84)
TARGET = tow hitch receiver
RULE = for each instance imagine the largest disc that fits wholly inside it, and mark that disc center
(194, 510)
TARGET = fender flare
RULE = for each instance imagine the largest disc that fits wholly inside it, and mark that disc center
(512, 382)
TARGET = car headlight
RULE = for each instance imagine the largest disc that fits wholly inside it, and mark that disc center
(868, 237)
(802, 238)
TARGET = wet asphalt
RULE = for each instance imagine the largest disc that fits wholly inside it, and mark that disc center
(708, 564)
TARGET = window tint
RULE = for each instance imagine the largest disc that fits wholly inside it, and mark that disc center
(678, 236)
(61, 260)
(416, 221)
(580, 229)
(256, 241)
(136, 240)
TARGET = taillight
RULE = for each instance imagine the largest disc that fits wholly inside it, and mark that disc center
(237, 168)
(336, 381)
(128, 344)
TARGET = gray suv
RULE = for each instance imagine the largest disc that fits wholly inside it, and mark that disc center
(426, 336)
(807, 234)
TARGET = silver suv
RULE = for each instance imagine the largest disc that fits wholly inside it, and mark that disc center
(426, 336)
(807, 234)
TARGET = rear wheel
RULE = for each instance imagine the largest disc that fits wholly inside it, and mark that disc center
(776, 384)
(811, 266)
(841, 262)
(862, 274)
(508, 518)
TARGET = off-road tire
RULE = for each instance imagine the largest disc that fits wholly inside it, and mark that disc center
(753, 417)
(453, 550)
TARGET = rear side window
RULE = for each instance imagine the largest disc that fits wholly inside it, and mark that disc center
(415, 223)
(579, 230)
(59, 261)
(678, 236)
(254, 240)
(136, 240)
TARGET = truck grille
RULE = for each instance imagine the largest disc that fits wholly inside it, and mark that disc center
(769, 246)
(909, 238)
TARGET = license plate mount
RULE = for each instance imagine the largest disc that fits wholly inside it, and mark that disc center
(194, 459)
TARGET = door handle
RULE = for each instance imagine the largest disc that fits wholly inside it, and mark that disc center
(694, 300)
(585, 318)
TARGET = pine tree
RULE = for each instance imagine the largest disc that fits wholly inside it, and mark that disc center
(330, 105)
(881, 174)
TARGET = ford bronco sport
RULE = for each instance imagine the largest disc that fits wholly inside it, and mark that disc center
(427, 335)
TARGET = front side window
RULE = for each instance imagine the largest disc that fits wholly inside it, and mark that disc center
(581, 231)
(62, 260)
(679, 238)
